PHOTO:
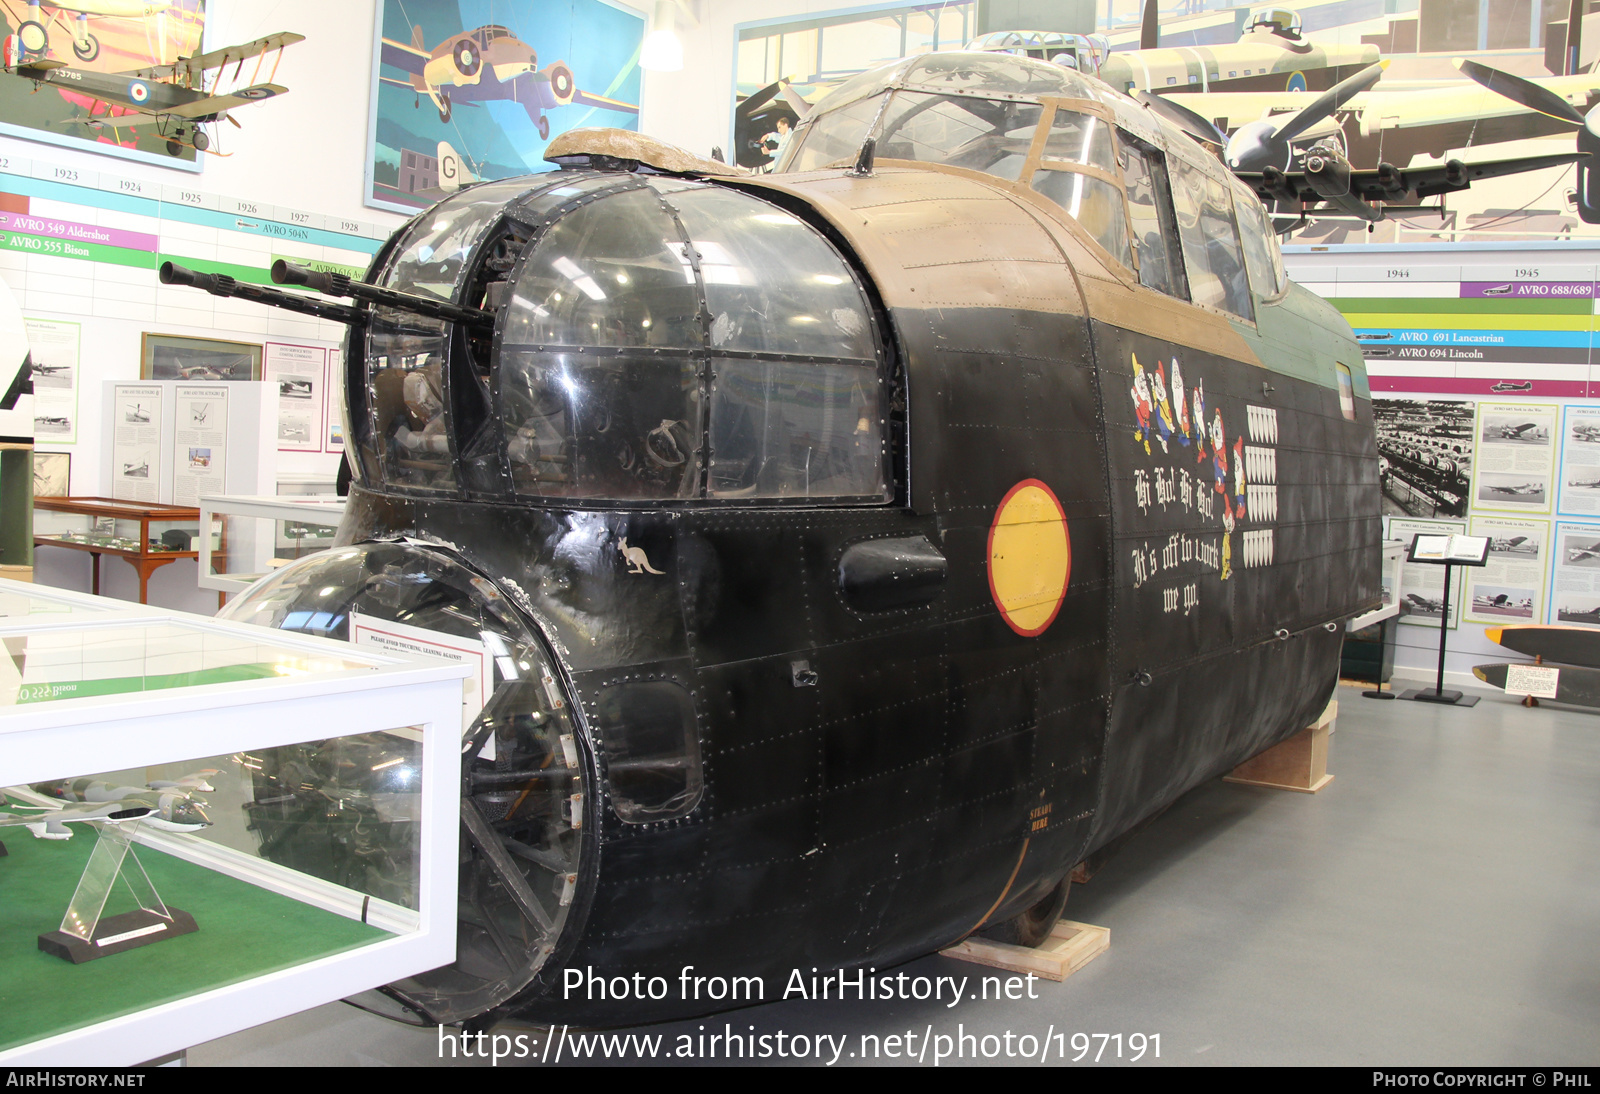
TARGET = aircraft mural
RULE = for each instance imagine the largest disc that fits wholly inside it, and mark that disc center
(472, 90)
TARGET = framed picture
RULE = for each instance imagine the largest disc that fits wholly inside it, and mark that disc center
(179, 357)
(52, 474)
(435, 124)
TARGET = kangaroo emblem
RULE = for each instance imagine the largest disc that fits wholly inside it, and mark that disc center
(638, 561)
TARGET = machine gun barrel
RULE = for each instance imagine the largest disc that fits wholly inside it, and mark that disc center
(222, 285)
(335, 284)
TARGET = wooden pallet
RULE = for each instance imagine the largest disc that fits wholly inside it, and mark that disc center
(1070, 947)
(1299, 764)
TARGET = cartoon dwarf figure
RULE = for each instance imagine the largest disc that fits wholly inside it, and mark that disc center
(1163, 419)
(1180, 405)
(1219, 453)
(1199, 410)
(1238, 478)
(1141, 405)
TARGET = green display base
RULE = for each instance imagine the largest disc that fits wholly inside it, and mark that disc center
(249, 932)
(118, 934)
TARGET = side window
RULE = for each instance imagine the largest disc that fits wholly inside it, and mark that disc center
(1078, 173)
(1261, 254)
(1155, 231)
(1210, 238)
(1347, 392)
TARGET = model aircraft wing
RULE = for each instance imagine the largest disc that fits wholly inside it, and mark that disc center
(35, 68)
(405, 57)
(216, 104)
(191, 68)
(119, 121)
(1401, 188)
(585, 98)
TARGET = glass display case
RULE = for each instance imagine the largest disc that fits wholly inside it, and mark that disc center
(292, 796)
(148, 535)
(254, 535)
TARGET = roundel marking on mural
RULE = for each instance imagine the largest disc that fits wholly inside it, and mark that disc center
(1297, 81)
(1030, 557)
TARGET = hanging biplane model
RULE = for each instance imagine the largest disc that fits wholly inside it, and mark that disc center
(489, 64)
(174, 98)
(848, 573)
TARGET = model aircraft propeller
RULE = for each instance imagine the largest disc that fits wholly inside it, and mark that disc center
(1184, 118)
(1259, 146)
(1524, 92)
(1542, 100)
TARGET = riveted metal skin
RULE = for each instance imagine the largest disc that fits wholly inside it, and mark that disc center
(877, 775)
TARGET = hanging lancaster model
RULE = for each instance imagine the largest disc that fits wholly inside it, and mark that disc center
(857, 550)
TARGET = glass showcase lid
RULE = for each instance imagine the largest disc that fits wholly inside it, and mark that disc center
(67, 660)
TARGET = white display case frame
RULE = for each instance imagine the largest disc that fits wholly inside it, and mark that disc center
(50, 740)
(1393, 554)
(306, 508)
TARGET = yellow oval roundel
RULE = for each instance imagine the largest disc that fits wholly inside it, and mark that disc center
(1030, 557)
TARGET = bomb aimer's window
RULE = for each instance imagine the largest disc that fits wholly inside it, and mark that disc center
(682, 341)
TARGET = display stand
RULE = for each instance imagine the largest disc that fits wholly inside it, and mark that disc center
(1446, 551)
(1069, 948)
(86, 932)
(1299, 764)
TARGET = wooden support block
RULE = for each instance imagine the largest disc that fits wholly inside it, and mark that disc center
(1300, 763)
(1069, 948)
(17, 573)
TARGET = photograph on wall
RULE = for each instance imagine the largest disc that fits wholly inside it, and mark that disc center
(200, 442)
(1580, 462)
(53, 346)
(1515, 460)
(52, 474)
(298, 372)
(1422, 584)
(1425, 456)
(1510, 588)
(1575, 575)
(467, 90)
(136, 442)
(93, 66)
(198, 360)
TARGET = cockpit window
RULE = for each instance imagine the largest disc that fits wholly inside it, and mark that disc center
(1261, 254)
(1155, 234)
(833, 137)
(1211, 247)
(988, 135)
(674, 340)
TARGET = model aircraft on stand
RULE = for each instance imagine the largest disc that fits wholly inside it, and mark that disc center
(174, 98)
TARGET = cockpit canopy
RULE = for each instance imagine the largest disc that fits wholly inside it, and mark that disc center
(1153, 201)
(661, 340)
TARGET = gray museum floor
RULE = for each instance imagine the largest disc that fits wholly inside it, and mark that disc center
(1437, 903)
